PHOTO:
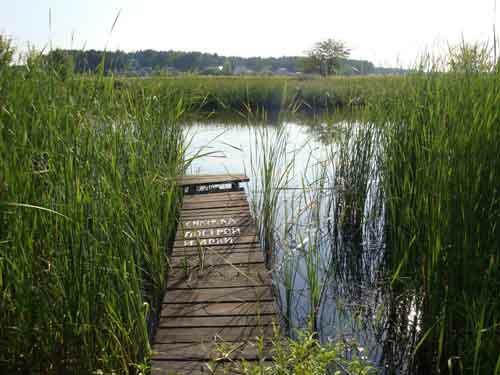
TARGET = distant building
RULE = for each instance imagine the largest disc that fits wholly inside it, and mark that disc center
(242, 70)
(283, 72)
(212, 70)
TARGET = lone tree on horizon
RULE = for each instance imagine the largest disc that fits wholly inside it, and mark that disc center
(326, 55)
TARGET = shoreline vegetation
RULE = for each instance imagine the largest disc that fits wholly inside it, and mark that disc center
(229, 94)
(88, 208)
(172, 63)
(88, 205)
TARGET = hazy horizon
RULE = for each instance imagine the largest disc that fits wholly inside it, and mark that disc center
(389, 33)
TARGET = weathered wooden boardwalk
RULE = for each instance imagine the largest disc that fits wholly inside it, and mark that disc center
(219, 296)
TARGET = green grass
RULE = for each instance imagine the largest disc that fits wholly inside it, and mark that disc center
(230, 94)
(441, 178)
(437, 153)
(304, 355)
(87, 208)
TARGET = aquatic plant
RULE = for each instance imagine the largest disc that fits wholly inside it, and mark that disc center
(87, 208)
(237, 94)
(440, 176)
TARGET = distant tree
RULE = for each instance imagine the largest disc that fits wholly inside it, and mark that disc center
(60, 62)
(6, 51)
(147, 61)
(326, 57)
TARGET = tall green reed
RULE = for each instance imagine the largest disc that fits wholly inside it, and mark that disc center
(310, 210)
(441, 174)
(87, 208)
(271, 167)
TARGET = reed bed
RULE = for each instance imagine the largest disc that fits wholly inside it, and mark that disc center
(88, 205)
(312, 217)
(401, 213)
(440, 176)
(306, 94)
(409, 210)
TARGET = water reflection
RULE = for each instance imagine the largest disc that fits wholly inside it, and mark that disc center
(329, 230)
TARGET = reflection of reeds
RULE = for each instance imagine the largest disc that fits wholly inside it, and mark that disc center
(356, 203)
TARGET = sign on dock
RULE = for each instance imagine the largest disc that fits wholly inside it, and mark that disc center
(219, 297)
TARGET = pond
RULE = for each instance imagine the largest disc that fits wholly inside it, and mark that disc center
(328, 254)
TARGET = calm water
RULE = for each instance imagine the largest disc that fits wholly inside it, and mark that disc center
(233, 146)
(348, 265)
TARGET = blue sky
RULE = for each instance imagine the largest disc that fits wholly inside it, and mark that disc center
(388, 32)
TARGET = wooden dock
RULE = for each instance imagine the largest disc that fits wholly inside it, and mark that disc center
(219, 297)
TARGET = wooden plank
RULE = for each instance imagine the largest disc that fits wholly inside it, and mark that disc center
(218, 273)
(218, 288)
(236, 231)
(216, 259)
(217, 321)
(241, 201)
(210, 197)
(210, 334)
(199, 243)
(205, 207)
(228, 276)
(217, 222)
(243, 248)
(175, 367)
(218, 309)
(247, 350)
(222, 256)
(217, 216)
(214, 205)
(237, 294)
(209, 207)
(197, 215)
(197, 180)
(198, 224)
(264, 280)
(213, 177)
(209, 213)
(236, 214)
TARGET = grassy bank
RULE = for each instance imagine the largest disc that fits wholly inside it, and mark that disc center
(230, 94)
(87, 207)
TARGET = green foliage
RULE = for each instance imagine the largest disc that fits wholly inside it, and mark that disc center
(326, 57)
(60, 63)
(272, 170)
(238, 94)
(147, 61)
(87, 207)
(441, 178)
(304, 355)
(6, 51)
(470, 58)
(227, 68)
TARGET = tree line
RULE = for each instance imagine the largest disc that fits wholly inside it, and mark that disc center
(151, 61)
